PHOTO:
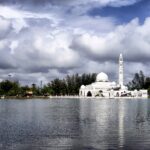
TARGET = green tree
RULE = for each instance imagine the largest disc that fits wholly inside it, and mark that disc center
(9, 88)
(138, 81)
(24, 89)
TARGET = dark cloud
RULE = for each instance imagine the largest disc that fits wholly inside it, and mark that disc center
(34, 2)
(72, 2)
(6, 61)
(6, 66)
(24, 2)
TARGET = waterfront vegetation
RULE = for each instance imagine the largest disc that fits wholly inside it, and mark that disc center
(140, 81)
(68, 86)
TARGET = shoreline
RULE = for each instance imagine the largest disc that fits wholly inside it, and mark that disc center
(79, 97)
(67, 97)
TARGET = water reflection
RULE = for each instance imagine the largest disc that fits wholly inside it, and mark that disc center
(74, 124)
(121, 115)
(148, 112)
(141, 114)
(103, 123)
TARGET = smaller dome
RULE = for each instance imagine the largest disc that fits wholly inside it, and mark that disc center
(82, 87)
(113, 83)
(124, 87)
(102, 77)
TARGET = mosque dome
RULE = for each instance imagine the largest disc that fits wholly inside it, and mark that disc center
(82, 87)
(102, 77)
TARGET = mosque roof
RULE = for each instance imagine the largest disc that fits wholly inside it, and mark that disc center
(102, 77)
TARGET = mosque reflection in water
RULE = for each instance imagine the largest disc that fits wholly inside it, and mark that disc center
(75, 124)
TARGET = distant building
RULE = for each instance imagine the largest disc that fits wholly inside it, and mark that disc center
(29, 93)
(105, 88)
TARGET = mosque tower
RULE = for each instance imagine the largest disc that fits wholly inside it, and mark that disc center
(121, 71)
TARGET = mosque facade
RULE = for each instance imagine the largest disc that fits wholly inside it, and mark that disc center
(102, 87)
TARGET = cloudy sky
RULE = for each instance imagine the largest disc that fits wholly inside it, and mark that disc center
(44, 39)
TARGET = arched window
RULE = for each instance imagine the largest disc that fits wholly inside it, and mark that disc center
(89, 94)
(117, 94)
(101, 93)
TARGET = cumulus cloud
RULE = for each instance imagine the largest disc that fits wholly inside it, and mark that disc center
(42, 45)
(117, 3)
(41, 52)
(132, 40)
(15, 13)
(4, 27)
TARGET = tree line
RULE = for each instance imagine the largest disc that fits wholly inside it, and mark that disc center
(70, 85)
(140, 81)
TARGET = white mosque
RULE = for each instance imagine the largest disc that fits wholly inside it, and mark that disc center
(104, 88)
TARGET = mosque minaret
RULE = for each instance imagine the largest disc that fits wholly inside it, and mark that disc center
(121, 71)
(103, 87)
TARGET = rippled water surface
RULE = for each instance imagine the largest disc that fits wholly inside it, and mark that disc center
(74, 124)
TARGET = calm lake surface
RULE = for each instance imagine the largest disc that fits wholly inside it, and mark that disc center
(74, 124)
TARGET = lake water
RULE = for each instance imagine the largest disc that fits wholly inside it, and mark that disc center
(74, 124)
